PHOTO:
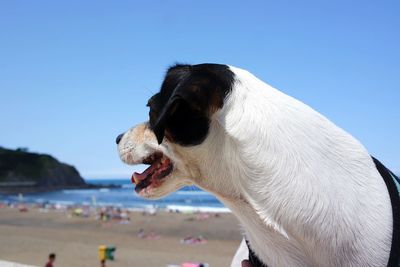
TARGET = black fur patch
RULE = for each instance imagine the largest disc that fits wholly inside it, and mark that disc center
(189, 95)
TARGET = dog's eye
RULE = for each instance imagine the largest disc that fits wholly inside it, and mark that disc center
(152, 116)
(152, 112)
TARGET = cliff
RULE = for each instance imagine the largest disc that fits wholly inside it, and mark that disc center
(25, 171)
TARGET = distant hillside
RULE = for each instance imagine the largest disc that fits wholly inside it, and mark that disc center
(22, 169)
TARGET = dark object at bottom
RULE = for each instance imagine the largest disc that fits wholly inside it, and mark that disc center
(254, 260)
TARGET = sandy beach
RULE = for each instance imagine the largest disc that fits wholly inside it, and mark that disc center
(145, 240)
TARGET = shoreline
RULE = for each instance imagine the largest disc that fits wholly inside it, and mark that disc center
(102, 196)
(149, 208)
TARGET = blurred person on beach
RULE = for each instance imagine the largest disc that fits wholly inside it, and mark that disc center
(52, 258)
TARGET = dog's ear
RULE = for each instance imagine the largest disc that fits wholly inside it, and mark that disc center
(189, 96)
(185, 116)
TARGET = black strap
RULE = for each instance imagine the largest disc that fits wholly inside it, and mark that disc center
(254, 260)
(388, 176)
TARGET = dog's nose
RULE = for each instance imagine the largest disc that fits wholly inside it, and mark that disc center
(119, 137)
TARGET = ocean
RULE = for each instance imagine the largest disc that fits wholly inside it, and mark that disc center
(185, 199)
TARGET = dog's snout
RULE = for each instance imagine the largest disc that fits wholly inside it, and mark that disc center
(119, 137)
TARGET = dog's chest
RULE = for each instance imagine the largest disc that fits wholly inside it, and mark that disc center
(271, 244)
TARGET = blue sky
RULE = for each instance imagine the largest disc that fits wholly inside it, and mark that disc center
(75, 74)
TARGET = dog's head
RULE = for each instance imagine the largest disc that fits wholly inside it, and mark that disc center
(180, 123)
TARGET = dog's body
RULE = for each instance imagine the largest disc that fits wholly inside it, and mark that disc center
(306, 192)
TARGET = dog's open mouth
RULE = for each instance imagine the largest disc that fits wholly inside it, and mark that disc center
(153, 176)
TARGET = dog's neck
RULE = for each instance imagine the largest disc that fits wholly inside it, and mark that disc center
(296, 182)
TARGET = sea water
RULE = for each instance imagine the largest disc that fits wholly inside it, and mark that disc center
(185, 199)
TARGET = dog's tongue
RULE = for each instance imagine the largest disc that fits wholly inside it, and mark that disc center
(154, 168)
(137, 177)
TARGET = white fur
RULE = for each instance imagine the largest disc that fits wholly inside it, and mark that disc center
(305, 191)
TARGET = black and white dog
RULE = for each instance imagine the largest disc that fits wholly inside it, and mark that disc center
(306, 192)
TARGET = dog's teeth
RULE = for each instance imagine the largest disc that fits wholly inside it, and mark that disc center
(135, 179)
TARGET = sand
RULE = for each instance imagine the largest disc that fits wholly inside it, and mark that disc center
(28, 237)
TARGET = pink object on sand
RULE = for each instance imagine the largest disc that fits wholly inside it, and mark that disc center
(189, 264)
